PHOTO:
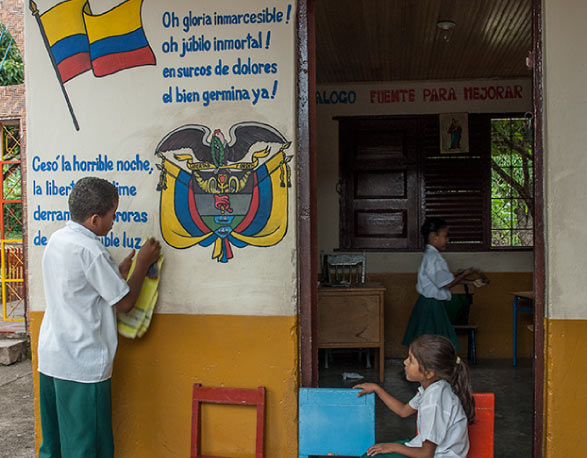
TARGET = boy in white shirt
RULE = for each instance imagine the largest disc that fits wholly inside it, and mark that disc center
(78, 336)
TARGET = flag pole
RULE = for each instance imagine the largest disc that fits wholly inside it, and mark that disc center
(35, 11)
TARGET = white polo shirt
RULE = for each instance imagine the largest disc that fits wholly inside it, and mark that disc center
(82, 282)
(434, 275)
(441, 420)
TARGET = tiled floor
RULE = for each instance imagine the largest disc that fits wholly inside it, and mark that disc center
(512, 388)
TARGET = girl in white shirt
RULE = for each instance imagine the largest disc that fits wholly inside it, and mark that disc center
(444, 402)
(429, 315)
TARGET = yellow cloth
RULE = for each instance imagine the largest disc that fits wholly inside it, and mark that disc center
(135, 322)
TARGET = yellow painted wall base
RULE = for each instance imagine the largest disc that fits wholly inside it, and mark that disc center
(154, 375)
(491, 311)
(566, 388)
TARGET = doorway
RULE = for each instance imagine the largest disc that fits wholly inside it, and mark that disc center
(378, 65)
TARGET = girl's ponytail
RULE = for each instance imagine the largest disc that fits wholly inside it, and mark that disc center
(461, 386)
(437, 354)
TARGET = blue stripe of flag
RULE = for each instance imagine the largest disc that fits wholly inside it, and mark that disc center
(236, 242)
(69, 46)
(182, 210)
(121, 43)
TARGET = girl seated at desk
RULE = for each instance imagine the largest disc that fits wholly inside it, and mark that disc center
(429, 315)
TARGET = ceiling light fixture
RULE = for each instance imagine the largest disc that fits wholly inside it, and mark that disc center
(446, 28)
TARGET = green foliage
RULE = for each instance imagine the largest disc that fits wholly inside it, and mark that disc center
(512, 183)
(12, 71)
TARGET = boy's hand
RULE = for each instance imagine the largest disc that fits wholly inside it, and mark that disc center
(124, 266)
(149, 252)
(366, 388)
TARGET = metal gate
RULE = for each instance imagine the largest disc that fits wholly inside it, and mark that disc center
(11, 225)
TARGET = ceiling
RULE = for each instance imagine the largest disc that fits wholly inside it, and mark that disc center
(398, 40)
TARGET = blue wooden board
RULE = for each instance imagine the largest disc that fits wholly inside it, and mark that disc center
(334, 421)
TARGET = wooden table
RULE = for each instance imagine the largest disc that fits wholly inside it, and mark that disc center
(525, 296)
(352, 317)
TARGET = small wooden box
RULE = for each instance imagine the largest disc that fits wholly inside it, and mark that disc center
(352, 317)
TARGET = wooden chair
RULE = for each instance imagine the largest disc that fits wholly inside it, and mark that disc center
(462, 326)
(481, 433)
(221, 395)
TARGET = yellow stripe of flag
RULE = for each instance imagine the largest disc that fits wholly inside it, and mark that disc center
(274, 229)
(120, 20)
(64, 20)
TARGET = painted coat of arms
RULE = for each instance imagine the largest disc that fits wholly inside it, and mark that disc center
(223, 192)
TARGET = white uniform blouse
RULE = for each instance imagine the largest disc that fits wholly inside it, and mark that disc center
(78, 337)
(434, 275)
(441, 420)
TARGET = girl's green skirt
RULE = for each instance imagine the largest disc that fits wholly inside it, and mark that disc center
(429, 316)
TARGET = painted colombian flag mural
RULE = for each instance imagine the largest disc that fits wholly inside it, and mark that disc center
(217, 198)
(77, 40)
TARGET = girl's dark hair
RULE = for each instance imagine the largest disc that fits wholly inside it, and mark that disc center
(91, 196)
(437, 354)
(432, 225)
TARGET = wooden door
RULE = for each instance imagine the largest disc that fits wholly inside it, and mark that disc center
(379, 194)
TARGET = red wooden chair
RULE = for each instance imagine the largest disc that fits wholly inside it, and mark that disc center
(235, 396)
(481, 432)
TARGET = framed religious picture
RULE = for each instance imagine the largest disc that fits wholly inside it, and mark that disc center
(454, 133)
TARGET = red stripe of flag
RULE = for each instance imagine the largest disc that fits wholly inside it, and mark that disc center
(75, 65)
(112, 63)
(227, 249)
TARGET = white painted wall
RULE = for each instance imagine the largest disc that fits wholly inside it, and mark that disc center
(363, 99)
(565, 73)
(123, 115)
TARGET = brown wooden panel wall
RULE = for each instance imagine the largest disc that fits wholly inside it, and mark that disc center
(456, 186)
(491, 311)
(393, 176)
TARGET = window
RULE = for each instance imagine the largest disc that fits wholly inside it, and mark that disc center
(392, 176)
(512, 183)
(11, 65)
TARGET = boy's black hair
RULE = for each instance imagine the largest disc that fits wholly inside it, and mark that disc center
(91, 196)
(432, 225)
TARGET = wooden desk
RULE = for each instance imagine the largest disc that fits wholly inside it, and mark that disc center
(352, 317)
(528, 296)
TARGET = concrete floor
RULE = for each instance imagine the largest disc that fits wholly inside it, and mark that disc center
(17, 420)
(512, 387)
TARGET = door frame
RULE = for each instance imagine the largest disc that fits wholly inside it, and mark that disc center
(539, 239)
(307, 254)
